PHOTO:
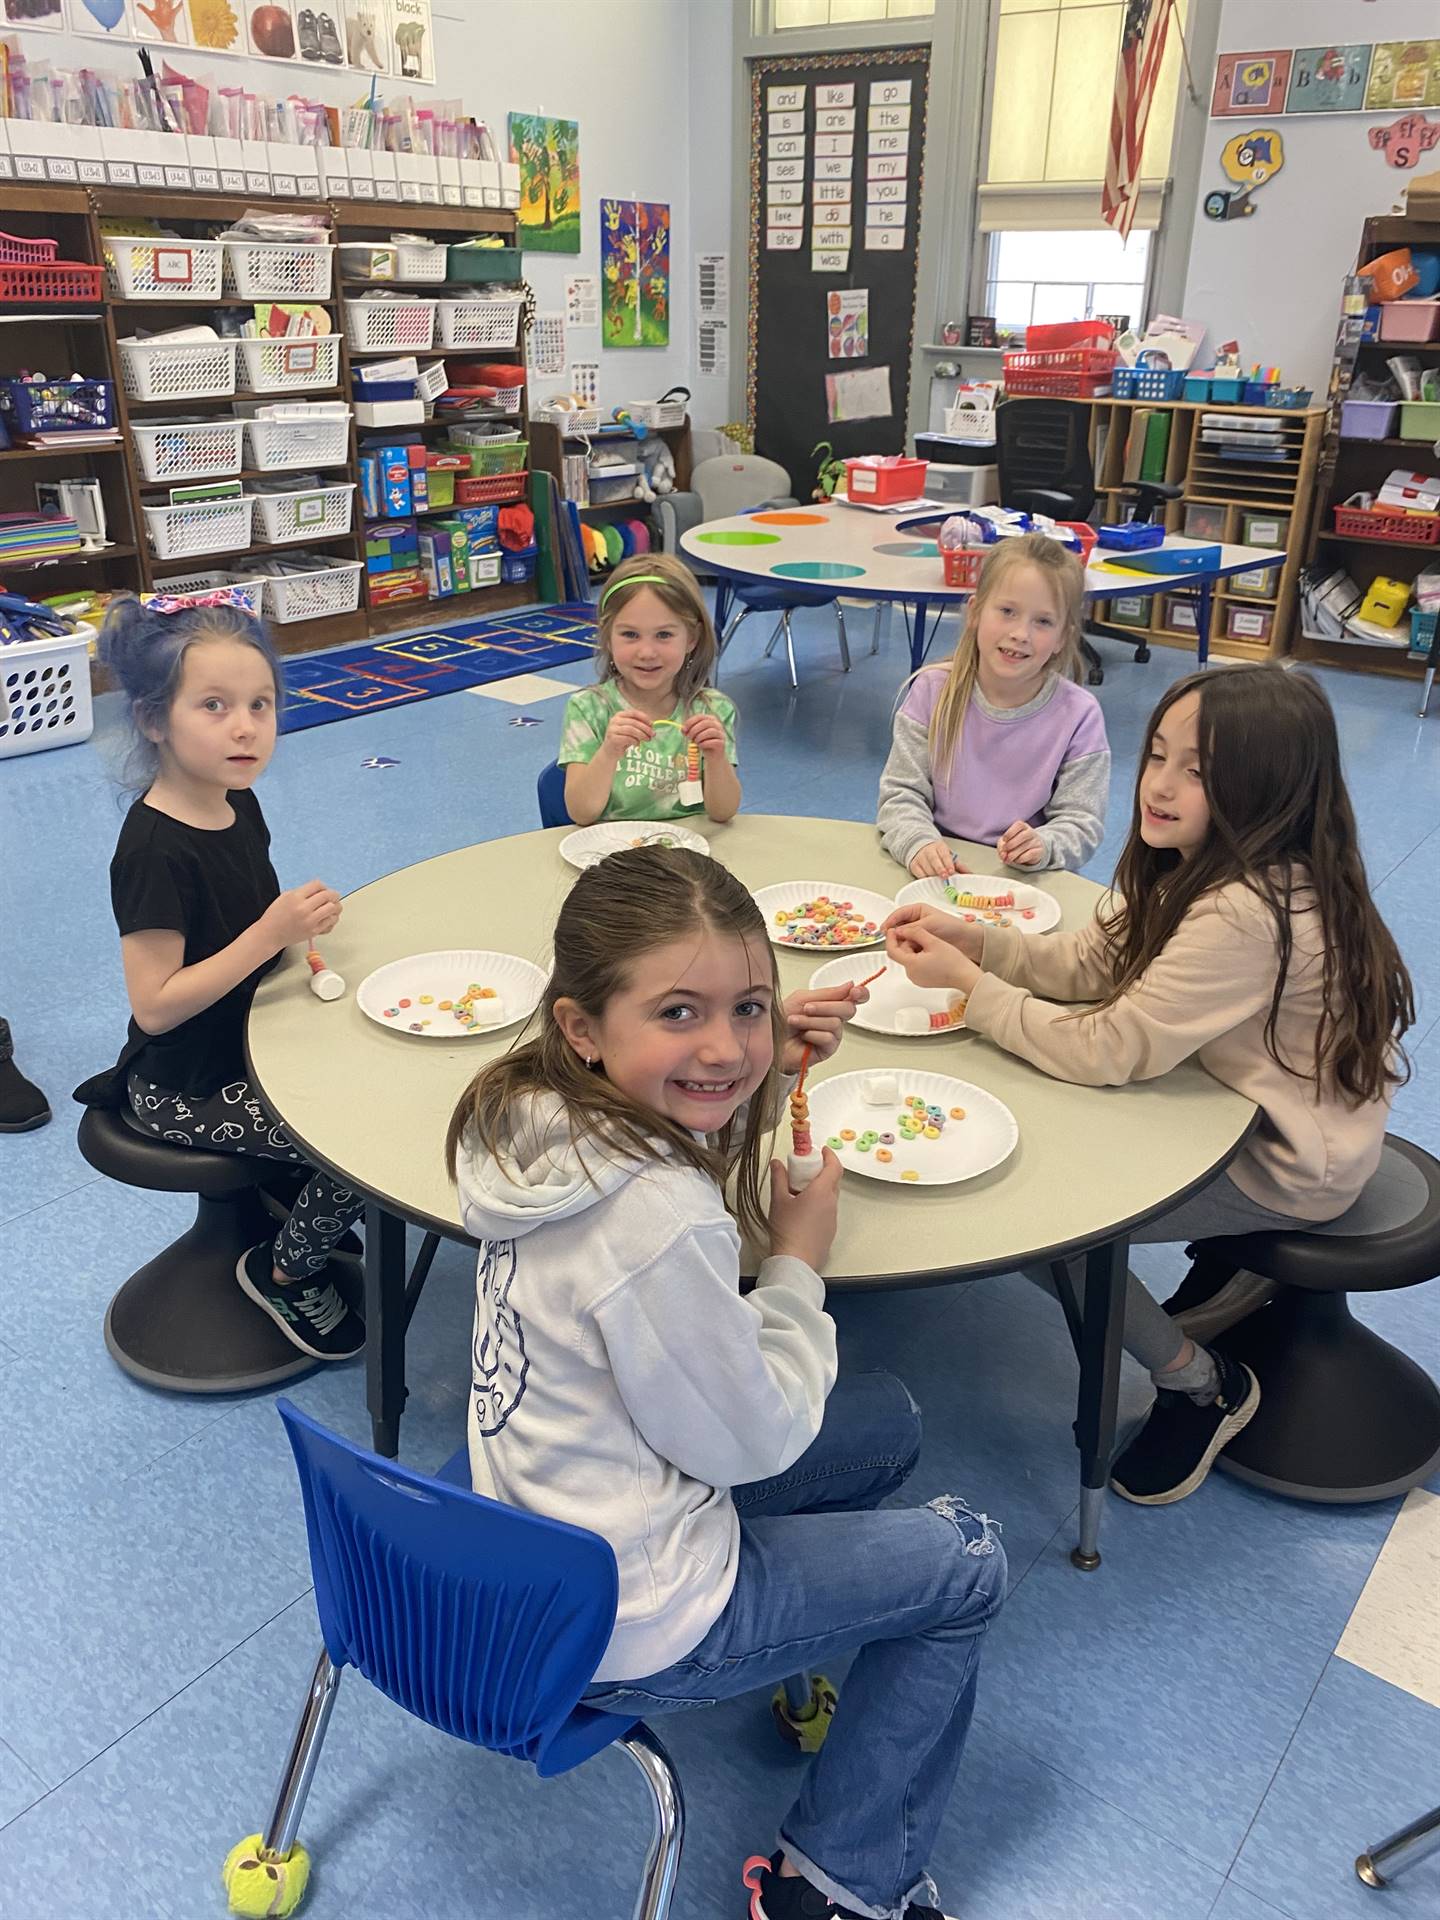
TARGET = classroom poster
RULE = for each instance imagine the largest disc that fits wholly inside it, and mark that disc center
(1248, 83)
(412, 40)
(635, 273)
(45, 16)
(113, 20)
(367, 43)
(1328, 79)
(848, 323)
(548, 155)
(862, 393)
(272, 31)
(1404, 73)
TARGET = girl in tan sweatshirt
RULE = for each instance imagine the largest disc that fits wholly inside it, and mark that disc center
(1240, 930)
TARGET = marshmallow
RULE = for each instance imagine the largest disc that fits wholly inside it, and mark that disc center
(880, 1089)
(488, 1013)
(912, 1020)
(801, 1169)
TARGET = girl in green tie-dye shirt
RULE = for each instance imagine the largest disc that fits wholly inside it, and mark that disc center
(651, 741)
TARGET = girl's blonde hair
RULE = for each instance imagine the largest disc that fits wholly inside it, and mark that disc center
(617, 911)
(674, 583)
(1067, 581)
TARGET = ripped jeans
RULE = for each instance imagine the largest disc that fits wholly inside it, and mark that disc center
(821, 1574)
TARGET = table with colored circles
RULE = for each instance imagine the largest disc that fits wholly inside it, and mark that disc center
(371, 1104)
(892, 556)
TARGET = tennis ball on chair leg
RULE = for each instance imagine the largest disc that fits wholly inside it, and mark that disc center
(259, 1887)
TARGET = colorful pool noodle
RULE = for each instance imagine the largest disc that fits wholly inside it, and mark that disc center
(324, 983)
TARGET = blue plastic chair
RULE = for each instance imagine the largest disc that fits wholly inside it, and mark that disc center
(480, 1619)
(550, 792)
(761, 596)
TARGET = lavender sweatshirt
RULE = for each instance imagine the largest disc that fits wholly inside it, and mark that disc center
(1047, 762)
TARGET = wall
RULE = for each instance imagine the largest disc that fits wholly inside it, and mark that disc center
(1273, 280)
(654, 113)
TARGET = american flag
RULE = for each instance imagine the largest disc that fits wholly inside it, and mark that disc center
(1142, 47)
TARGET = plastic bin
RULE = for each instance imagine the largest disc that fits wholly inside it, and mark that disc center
(390, 326)
(515, 568)
(509, 456)
(1249, 623)
(18, 252)
(480, 490)
(45, 693)
(656, 414)
(1197, 387)
(1129, 610)
(57, 406)
(1387, 523)
(1420, 420)
(1415, 320)
(492, 322)
(1122, 383)
(52, 283)
(574, 422)
(961, 565)
(304, 514)
(1266, 530)
(1204, 522)
(1368, 419)
(1179, 616)
(141, 267)
(1158, 383)
(1260, 583)
(882, 486)
(178, 371)
(272, 446)
(199, 526)
(472, 265)
(182, 585)
(332, 587)
(269, 270)
(1424, 631)
(188, 450)
(403, 261)
(298, 364)
(1227, 391)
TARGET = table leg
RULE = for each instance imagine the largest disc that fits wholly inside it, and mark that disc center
(1100, 1348)
(1202, 623)
(722, 604)
(384, 1327)
(919, 614)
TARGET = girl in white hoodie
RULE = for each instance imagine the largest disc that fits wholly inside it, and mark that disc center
(623, 1382)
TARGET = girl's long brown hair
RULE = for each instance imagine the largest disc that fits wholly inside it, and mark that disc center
(1067, 581)
(627, 905)
(1281, 823)
(674, 583)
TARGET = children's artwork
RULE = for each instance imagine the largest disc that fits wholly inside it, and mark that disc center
(1247, 83)
(1405, 139)
(216, 25)
(367, 44)
(548, 155)
(1250, 159)
(110, 18)
(1328, 79)
(1404, 73)
(412, 42)
(860, 394)
(848, 323)
(635, 273)
(48, 16)
(272, 33)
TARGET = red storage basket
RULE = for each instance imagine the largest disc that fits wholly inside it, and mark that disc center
(484, 489)
(1073, 372)
(1385, 523)
(1069, 333)
(883, 486)
(24, 253)
(1084, 533)
(962, 565)
(53, 282)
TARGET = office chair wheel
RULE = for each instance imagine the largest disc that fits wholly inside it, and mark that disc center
(805, 1731)
(258, 1884)
(1095, 677)
(1142, 654)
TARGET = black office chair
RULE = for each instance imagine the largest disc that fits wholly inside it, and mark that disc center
(1042, 448)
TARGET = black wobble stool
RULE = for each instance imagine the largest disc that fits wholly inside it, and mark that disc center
(181, 1321)
(1344, 1416)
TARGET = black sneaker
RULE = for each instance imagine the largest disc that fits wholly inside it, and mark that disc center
(311, 1315)
(1174, 1450)
(792, 1898)
(23, 1106)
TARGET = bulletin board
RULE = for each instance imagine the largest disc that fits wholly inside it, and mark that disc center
(833, 135)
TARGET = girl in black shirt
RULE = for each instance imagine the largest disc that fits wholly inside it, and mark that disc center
(202, 920)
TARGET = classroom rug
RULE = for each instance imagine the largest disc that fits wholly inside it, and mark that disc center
(323, 687)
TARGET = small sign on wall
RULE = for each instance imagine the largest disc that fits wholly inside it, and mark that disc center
(1405, 139)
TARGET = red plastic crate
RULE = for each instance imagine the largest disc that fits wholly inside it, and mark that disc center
(1384, 523)
(1069, 333)
(484, 489)
(962, 565)
(1084, 533)
(54, 282)
(17, 252)
(900, 479)
(1073, 372)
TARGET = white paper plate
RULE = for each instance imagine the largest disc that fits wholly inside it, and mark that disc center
(790, 894)
(587, 846)
(986, 1136)
(445, 976)
(887, 995)
(1043, 907)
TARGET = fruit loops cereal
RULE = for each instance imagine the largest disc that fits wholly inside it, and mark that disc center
(917, 1122)
(823, 922)
(990, 908)
(477, 1007)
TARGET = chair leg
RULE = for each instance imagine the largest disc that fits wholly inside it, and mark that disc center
(844, 637)
(1402, 1850)
(732, 627)
(789, 647)
(1425, 691)
(662, 1860)
(1096, 673)
(773, 641)
(310, 1730)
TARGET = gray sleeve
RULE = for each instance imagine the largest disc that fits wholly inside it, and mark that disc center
(905, 815)
(1074, 823)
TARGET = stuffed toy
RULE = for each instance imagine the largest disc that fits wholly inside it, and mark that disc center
(658, 465)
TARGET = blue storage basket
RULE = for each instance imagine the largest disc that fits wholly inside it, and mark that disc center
(1158, 383)
(1424, 631)
(57, 406)
(1228, 392)
(515, 568)
(1122, 383)
(1133, 536)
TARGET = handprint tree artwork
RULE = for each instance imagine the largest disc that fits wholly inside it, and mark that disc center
(548, 155)
(635, 273)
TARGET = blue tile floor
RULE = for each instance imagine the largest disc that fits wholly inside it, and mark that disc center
(1169, 1740)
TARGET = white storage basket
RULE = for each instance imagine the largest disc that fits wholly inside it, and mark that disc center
(142, 267)
(490, 322)
(507, 399)
(177, 370)
(390, 326)
(302, 515)
(415, 261)
(581, 420)
(188, 449)
(199, 526)
(272, 446)
(656, 413)
(45, 693)
(183, 585)
(269, 270)
(299, 363)
(332, 588)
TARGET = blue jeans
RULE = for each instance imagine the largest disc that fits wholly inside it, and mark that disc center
(821, 1574)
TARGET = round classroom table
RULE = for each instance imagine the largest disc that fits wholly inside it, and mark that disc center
(371, 1104)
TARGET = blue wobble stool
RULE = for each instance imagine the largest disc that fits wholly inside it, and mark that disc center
(480, 1619)
(550, 793)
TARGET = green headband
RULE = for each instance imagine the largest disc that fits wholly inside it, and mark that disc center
(635, 580)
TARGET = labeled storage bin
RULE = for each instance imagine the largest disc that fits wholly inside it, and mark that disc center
(1179, 616)
(57, 406)
(1249, 623)
(1260, 583)
(188, 449)
(1130, 610)
(1415, 320)
(412, 261)
(391, 326)
(187, 586)
(479, 323)
(269, 270)
(1204, 521)
(897, 480)
(1266, 530)
(475, 264)
(298, 364)
(272, 446)
(1420, 420)
(332, 587)
(45, 693)
(1368, 419)
(142, 267)
(198, 526)
(178, 370)
(1388, 523)
(51, 284)
(302, 515)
